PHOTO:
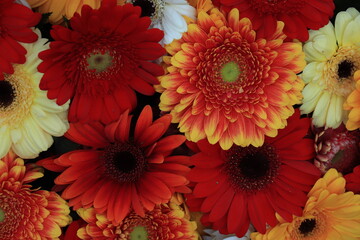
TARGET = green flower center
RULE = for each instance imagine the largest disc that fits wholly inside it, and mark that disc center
(99, 61)
(230, 72)
(139, 233)
(2, 215)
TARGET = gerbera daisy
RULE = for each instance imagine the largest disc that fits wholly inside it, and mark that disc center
(330, 214)
(249, 184)
(298, 15)
(229, 86)
(63, 9)
(28, 118)
(352, 104)
(100, 67)
(336, 148)
(167, 15)
(333, 56)
(15, 23)
(27, 213)
(166, 221)
(135, 168)
(353, 180)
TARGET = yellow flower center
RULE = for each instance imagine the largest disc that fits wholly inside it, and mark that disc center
(340, 69)
(99, 61)
(16, 97)
(230, 72)
(139, 233)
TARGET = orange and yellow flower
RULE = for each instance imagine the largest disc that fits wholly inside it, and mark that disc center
(330, 214)
(353, 105)
(166, 221)
(28, 213)
(229, 86)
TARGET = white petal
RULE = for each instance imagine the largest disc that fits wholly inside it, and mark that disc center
(53, 124)
(341, 21)
(5, 143)
(321, 110)
(334, 115)
(39, 139)
(16, 135)
(351, 34)
(172, 17)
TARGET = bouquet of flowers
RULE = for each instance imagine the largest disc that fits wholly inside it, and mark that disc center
(182, 120)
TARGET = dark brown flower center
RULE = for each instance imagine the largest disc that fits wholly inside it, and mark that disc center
(7, 94)
(345, 69)
(251, 168)
(147, 7)
(124, 162)
(307, 226)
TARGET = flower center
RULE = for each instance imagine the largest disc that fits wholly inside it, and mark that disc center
(139, 233)
(230, 72)
(339, 70)
(345, 69)
(250, 168)
(124, 162)
(99, 62)
(338, 149)
(7, 94)
(307, 226)
(2, 215)
(16, 97)
(151, 8)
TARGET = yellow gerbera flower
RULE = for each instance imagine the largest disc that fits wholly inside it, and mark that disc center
(333, 56)
(329, 214)
(28, 118)
(353, 105)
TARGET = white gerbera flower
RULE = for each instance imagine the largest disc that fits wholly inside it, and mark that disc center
(333, 56)
(28, 118)
(216, 235)
(167, 15)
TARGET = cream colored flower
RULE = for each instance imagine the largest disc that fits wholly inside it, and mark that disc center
(28, 119)
(333, 56)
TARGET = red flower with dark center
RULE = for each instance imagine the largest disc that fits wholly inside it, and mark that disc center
(298, 15)
(101, 66)
(249, 184)
(122, 171)
(15, 26)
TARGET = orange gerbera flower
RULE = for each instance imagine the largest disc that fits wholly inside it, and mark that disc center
(27, 213)
(122, 171)
(229, 86)
(166, 221)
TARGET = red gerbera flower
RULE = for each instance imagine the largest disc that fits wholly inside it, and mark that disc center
(101, 61)
(353, 180)
(123, 171)
(249, 184)
(15, 26)
(298, 15)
